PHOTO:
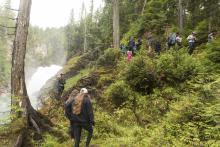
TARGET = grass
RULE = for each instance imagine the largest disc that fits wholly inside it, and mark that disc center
(72, 81)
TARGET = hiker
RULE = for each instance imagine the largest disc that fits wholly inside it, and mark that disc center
(68, 109)
(210, 37)
(192, 40)
(131, 44)
(123, 48)
(158, 47)
(80, 113)
(179, 40)
(139, 43)
(171, 41)
(60, 84)
(129, 55)
(150, 42)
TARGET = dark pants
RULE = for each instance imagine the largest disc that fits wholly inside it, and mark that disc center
(191, 47)
(77, 129)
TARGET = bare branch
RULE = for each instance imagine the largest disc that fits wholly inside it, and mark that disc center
(7, 27)
(11, 9)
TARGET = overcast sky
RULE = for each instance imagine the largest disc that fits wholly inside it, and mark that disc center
(55, 13)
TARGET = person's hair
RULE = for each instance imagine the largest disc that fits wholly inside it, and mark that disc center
(77, 105)
(72, 95)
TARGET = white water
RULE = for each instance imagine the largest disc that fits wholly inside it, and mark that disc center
(37, 81)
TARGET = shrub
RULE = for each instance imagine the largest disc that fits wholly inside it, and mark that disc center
(141, 75)
(109, 58)
(177, 67)
(214, 53)
(118, 93)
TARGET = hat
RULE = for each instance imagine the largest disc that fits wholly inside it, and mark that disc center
(84, 90)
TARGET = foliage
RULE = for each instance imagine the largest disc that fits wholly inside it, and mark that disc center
(141, 74)
(118, 93)
(176, 66)
(109, 58)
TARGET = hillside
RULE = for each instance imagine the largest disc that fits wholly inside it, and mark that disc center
(171, 99)
(157, 97)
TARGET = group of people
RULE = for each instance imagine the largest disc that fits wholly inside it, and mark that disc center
(78, 107)
(173, 40)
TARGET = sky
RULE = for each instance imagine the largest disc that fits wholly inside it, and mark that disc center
(55, 13)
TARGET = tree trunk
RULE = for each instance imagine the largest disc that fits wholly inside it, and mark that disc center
(92, 8)
(116, 29)
(20, 97)
(85, 32)
(145, 2)
(180, 7)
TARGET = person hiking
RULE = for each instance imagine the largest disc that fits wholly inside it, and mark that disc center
(129, 55)
(68, 111)
(123, 48)
(179, 40)
(150, 42)
(131, 44)
(60, 84)
(171, 41)
(80, 113)
(139, 43)
(192, 40)
(210, 37)
(158, 47)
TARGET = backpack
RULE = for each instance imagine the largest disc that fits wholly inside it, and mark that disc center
(172, 39)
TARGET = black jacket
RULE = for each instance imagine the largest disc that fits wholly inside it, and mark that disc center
(86, 115)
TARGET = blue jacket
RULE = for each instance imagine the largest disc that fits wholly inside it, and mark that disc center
(86, 116)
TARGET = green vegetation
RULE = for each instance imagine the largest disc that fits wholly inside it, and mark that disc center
(73, 81)
(171, 99)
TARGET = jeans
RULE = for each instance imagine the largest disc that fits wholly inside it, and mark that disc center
(77, 129)
(191, 47)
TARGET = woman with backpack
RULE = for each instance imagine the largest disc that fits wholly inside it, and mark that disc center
(80, 113)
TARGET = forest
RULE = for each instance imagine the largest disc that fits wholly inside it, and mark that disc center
(159, 95)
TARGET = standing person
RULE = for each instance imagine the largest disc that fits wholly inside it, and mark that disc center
(179, 40)
(131, 44)
(158, 47)
(123, 48)
(129, 55)
(150, 42)
(171, 41)
(192, 40)
(60, 84)
(80, 113)
(210, 37)
(139, 43)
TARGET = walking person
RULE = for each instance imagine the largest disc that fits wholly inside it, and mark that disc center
(131, 44)
(158, 47)
(192, 40)
(150, 42)
(129, 55)
(171, 40)
(179, 40)
(80, 113)
(60, 85)
(210, 37)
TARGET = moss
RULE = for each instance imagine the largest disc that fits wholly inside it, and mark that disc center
(71, 63)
